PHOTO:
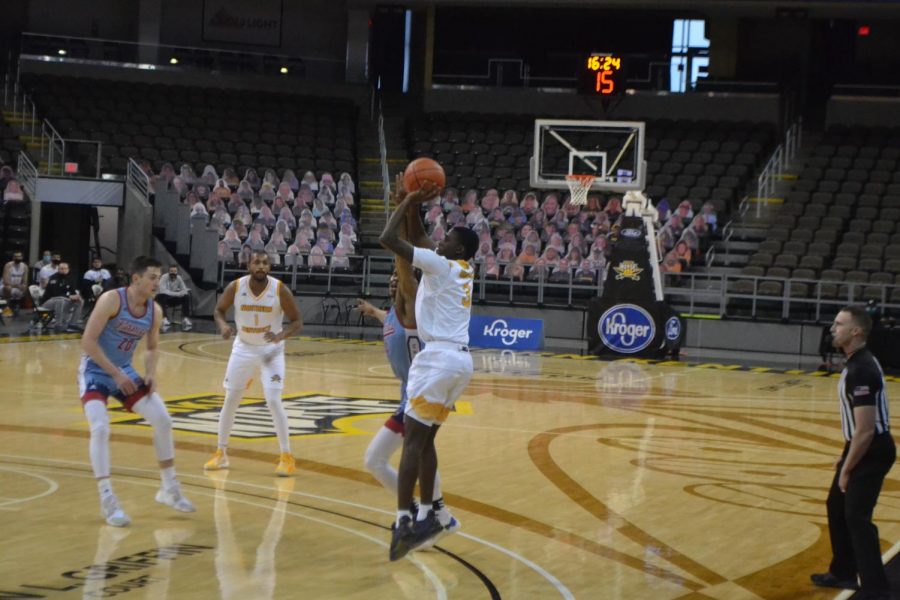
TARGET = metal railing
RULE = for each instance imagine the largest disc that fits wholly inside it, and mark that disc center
(385, 173)
(328, 276)
(20, 104)
(53, 147)
(774, 297)
(27, 174)
(137, 181)
(777, 163)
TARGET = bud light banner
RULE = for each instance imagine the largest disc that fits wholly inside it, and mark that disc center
(506, 333)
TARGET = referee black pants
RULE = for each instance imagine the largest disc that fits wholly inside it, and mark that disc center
(854, 538)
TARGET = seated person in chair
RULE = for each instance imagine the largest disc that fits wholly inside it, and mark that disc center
(14, 283)
(174, 292)
(62, 297)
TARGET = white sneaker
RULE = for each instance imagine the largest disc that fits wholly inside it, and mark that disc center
(186, 324)
(173, 497)
(165, 325)
(112, 512)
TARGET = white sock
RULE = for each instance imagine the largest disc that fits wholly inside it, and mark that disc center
(153, 409)
(424, 509)
(403, 513)
(167, 475)
(441, 511)
(105, 487)
(98, 420)
(273, 401)
(226, 417)
(379, 452)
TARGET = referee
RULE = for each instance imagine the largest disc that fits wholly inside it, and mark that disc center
(868, 455)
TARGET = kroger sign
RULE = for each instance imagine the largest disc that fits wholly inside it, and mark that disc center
(626, 328)
(506, 333)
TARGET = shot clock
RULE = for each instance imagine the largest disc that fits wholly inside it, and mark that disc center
(602, 75)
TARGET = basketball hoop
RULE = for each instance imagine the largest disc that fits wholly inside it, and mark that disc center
(579, 186)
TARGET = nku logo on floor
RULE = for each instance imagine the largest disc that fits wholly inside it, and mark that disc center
(626, 328)
(506, 333)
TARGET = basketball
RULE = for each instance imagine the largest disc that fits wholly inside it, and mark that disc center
(421, 170)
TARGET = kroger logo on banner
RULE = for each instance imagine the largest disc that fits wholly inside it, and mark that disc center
(506, 333)
(626, 328)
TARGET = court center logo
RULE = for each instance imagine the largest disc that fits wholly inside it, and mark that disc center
(312, 414)
(628, 269)
(626, 328)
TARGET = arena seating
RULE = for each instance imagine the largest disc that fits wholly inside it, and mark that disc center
(839, 221)
(200, 126)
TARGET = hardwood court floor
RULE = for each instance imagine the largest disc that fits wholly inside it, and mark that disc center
(572, 478)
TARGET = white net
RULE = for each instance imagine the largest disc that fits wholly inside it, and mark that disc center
(579, 186)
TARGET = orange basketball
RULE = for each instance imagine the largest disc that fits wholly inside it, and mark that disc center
(421, 170)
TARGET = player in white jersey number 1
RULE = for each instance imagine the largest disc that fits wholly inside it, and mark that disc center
(439, 373)
(260, 303)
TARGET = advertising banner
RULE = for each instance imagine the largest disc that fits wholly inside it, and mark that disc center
(506, 333)
(257, 23)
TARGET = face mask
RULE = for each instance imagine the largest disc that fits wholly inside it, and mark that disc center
(47, 257)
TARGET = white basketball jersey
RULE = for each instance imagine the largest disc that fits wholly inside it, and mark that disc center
(444, 298)
(257, 315)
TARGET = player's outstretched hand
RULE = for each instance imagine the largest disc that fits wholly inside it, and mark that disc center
(227, 332)
(365, 308)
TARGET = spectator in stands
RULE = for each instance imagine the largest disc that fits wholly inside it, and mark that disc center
(663, 211)
(347, 230)
(434, 216)
(327, 196)
(578, 242)
(681, 252)
(496, 218)
(239, 228)
(278, 204)
(527, 256)
(327, 181)
(484, 250)
(489, 202)
(550, 206)
(509, 198)
(517, 218)
(119, 279)
(304, 232)
(561, 273)
(232, 240)
(529, 204)
(306, 219)
(265, 217)
(346, 187)
(12, 192)
(309, 179)
(318, 207)
(556, 241)
(574, 256)
(602, 244)
(685, 211)
(676, 224)
(594, 205)
(339, 260)
(538, 220)
(14, 283)
(317, 259)
(571, 209)
(220, 189)
(266, 192)
(292, 257)
(695, 234)
(347, 218)
(279, 242)
(539, 270)
(213, 202)
(438, 233)
(284, 191)
(329, 221)
(613, 208)
(187, 174)
(282, 227)
(6, 175)
(244, 255)
(222, 219)
(147, 168)
(507, 240)
(455, 218)
(62, 297)
(231, 179)
(199, 210)
(551, 257)
(252, 178)
(225, 253)
(533, 240)
(491, 267)
(597, 260)
(514, 271)
(97, 280)
(506, 255)
(245, 191)
(708, 212)
(174, 292)
(271, 177)
(235, 202)
(274, 256)
(585, 273)
(290, 178)
(325, 239)
(48, 271)
(46, 259)
(209, 175)
(559, 220)
(202, 190)
(470, 204)
(255, 240)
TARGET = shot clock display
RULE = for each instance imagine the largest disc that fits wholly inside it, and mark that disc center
(602, 75)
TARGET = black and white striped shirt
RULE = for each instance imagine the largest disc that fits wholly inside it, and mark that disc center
(862, 384)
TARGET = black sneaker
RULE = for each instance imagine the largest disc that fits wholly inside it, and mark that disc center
(401, 539)
(833, 581)
(426, 529)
